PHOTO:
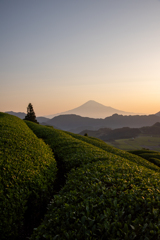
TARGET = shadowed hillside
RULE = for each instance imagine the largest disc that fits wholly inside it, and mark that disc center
(107, 193)
(99, 186)
(27, 173)
(76, 124)
(123, 133)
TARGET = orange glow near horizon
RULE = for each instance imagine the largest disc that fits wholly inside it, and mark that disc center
(80, 51)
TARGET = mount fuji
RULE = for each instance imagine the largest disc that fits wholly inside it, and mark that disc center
(93, 109)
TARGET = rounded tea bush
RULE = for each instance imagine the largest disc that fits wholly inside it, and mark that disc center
(27, 173)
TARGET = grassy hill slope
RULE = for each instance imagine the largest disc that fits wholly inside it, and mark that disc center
(151, 156)
(102, 145)
(27, 173)
(106, 196)
(108, 193)
(105, 200)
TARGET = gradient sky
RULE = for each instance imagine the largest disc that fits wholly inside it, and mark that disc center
(58, 54)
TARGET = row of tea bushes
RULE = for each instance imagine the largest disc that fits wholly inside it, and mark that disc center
(128, 155)
(70, 152)
(149, 155)
(115, 199)
(143, 150)
(107, 197)
(78, 211)
(72, 149)
(27, 173)
(156, 161)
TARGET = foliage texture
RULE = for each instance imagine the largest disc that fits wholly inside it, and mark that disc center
(27, 173)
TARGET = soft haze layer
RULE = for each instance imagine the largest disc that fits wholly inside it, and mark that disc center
(60, 54)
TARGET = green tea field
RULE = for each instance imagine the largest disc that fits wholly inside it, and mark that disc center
(86, 188)
(152, 143)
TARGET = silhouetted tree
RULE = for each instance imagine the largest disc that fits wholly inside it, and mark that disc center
(30, 114)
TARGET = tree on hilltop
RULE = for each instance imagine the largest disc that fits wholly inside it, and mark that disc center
(30, 114)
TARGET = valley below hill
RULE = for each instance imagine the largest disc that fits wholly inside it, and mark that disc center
(129, 138)
(107, 134)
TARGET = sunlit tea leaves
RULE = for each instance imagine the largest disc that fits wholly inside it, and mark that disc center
(27, 172)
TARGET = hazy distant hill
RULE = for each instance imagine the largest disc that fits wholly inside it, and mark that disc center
(22, 116)
(107, 134)
(93, 109)
(76, 124)
(158, 114)
(42, 119)
(17, 114)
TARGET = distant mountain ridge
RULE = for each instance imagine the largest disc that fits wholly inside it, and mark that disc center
(103, 117)
(158, 114)
(17, 114)
(76, 124)
(93, 109)
(90, 109)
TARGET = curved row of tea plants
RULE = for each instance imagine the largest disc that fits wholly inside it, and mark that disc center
(103, 198)
(156, 161)
(70, 152)
(27, 173)
(101, 144)
(151, 156)
(72, 149)
(112, 199)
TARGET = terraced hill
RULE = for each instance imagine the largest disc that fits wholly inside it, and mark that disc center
(106, 196)
(151, 156)
(27, 173)
(102, 145)
(104, 193)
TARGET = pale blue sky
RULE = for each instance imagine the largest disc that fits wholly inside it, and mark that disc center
(59, 54)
